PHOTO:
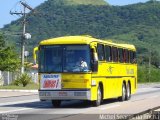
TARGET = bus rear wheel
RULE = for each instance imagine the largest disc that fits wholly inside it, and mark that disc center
(123, 97)
(128, 92)
(56, 103)
(99, 97)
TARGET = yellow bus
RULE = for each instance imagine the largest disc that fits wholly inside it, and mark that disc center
(85, 68)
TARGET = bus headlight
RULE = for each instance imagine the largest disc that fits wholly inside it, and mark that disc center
(93, 83)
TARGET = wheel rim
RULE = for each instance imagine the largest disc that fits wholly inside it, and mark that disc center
(128, 91)
(123, 93)
(99, 96)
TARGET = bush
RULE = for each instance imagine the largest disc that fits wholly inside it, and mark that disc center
(143, 74)
(16, 82)
(23, 79)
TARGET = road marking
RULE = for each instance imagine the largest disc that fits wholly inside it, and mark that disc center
(19, 102)
(26, 91)
(109, 107)
(154, 96)
(22, 109)
(10, 111)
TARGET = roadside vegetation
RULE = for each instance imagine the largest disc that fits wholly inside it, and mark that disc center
(23, 80)
(9, 60)
(145, 77)
(30, 86)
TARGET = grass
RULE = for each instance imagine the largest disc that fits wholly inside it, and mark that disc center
(31, 86)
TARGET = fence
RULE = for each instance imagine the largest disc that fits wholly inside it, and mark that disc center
(7, 78)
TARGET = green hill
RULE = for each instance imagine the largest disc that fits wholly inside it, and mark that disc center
(138, 24)
(83, 2)
(77, 2)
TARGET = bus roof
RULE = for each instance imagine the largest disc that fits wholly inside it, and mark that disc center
(83, 40)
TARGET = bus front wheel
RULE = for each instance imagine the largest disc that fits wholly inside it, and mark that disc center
(99, 97)
(56, 103)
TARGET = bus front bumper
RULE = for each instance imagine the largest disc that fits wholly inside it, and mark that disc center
(65, 94)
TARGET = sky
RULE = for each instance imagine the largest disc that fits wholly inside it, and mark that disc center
(11, 5)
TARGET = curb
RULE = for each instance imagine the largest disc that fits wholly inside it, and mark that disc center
(30, 91)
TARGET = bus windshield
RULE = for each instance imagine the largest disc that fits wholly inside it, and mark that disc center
(64, 58)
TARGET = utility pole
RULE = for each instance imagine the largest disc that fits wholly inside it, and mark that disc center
(24, 34)
(149, 65)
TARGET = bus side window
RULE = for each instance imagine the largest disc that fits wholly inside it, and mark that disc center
(127, 56)
(120, 55)
(124, 55)
(108, 53)
(126, 59)
(100, 50)
(132, 57)
(115, 54)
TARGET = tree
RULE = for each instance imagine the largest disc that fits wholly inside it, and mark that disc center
(8, 58)
(155, 58)
(2, 43)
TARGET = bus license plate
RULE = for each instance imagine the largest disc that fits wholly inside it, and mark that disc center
(45, 94)
(62, 94)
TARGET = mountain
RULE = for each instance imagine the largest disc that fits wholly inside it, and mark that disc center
(81, 2)
(138, 24)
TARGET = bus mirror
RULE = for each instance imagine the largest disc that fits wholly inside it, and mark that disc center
(35, 55)
(94, 61)
(95, 56)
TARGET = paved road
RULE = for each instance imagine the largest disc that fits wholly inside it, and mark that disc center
(28, 106)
